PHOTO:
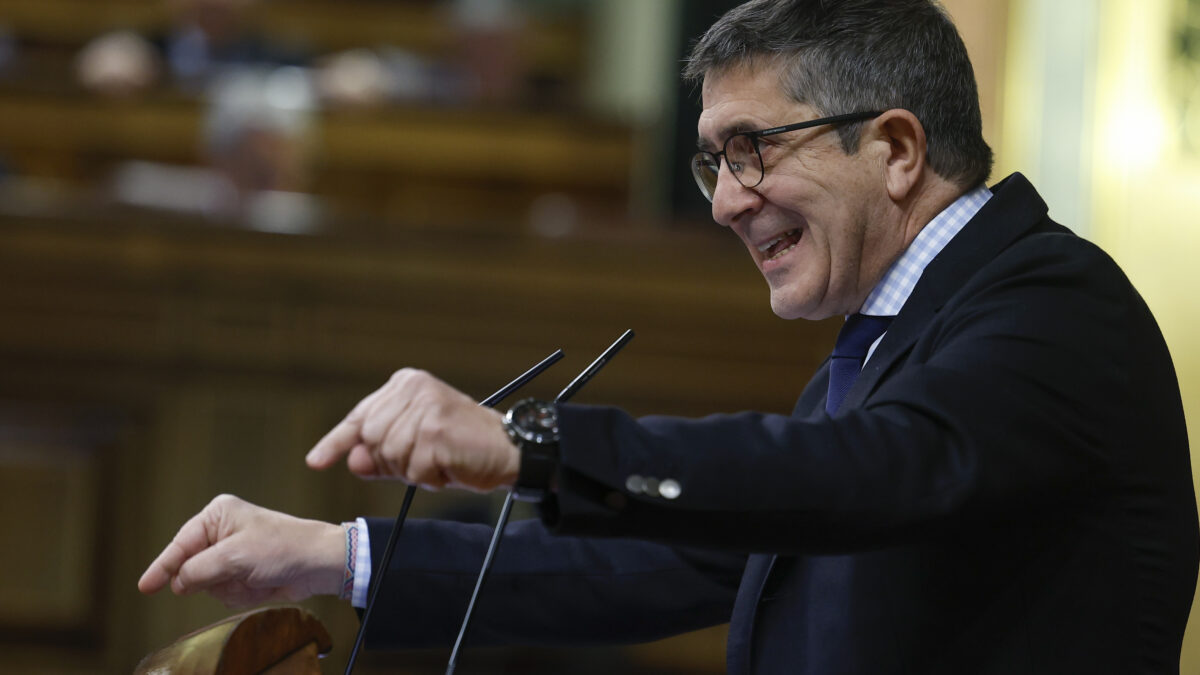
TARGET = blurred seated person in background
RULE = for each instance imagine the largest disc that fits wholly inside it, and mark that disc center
(208, 37)
(257, 133)
(205, 38)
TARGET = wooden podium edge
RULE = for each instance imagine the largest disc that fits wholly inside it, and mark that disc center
(249, 643)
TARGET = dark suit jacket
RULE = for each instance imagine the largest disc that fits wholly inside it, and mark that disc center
(1006, 489)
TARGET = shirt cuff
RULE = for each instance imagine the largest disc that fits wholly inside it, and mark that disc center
(362, 565)
(357, 577)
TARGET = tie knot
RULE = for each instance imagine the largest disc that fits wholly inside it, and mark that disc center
(857, 335)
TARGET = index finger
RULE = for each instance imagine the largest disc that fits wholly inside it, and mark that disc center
(334, 445)
(191, 539)
(342, 437)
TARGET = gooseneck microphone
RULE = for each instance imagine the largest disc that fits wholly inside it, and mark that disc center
(570, 390)
(377, 575)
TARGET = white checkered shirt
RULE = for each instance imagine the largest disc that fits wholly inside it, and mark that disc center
(898, 282)
(890, 294)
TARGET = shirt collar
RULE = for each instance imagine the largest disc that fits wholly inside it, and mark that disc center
(890, 294)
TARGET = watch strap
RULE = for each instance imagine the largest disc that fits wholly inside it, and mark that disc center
(535, 475)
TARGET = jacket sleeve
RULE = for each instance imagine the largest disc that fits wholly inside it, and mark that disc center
(543, 589)
(1038, 382)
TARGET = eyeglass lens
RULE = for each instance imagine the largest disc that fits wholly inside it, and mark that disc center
(740, 156)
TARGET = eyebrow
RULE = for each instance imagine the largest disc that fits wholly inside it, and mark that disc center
(724, 133)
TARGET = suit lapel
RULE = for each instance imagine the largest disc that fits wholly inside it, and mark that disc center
(1014, 209)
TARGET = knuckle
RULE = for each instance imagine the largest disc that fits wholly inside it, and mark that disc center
(223, 500)
(373, 428)
(406, 376)
(391, 447)
(447, 460)
(433, 430)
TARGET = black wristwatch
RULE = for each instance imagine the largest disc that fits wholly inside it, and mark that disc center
(533, 427)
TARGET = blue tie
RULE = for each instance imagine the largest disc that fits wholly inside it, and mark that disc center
(849, 353)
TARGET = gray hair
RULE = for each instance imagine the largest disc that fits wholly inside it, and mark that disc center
(844, 56)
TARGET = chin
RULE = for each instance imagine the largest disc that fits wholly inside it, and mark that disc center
(791, 309)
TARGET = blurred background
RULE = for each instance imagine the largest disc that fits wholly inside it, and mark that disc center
(222, 222)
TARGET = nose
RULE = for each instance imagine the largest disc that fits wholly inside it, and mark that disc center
(731, 200)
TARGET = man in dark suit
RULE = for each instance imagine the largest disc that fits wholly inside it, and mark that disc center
(990, 475)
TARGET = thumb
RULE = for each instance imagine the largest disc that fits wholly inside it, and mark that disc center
(214, 565)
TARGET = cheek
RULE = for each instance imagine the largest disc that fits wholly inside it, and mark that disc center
(841, 237)
(826, 228)
(837, 247)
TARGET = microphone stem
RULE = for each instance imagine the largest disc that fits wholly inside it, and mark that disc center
(569, 391)
(377, 576)
(483, 574)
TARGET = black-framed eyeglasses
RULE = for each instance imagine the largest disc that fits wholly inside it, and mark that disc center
(743, 157)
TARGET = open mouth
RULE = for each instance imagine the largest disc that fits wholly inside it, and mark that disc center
(780, 245)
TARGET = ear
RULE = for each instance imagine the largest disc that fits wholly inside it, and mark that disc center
(905, 155)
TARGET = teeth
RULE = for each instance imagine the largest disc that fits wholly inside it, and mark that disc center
(769, 244)
(782, 252)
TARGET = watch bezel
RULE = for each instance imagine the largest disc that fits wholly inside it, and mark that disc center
(525, 423)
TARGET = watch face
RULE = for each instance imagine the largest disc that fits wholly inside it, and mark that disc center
(535, 421)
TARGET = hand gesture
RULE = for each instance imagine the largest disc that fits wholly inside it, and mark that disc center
(420, 430)
(245, 555)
